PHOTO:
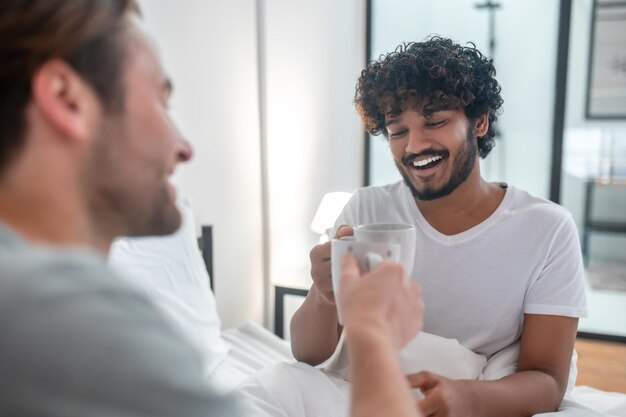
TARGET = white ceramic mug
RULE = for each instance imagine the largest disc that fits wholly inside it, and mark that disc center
(401, 234)
(368, 256)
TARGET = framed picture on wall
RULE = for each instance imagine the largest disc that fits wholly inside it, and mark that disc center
(606, 82)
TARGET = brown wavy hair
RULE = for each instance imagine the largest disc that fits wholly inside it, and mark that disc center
(84, 33)
(434, 75)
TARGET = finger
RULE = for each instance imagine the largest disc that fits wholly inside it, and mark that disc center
(423, 380)
(320, 269)
(320, 253)
(429, 406)
(343, 231)
(391, 271)
(349, 270)
(414, 289)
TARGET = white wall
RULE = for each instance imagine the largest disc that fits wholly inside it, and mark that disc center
(209, 49)
(314, 53)
(525, 60)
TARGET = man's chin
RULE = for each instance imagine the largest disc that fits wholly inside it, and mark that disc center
(424, 193)
(169, 225)
(429, 195)
(162, 223)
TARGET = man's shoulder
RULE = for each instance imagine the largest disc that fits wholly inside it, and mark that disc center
(35, 274)
(106, 348)
(538, 208)
(92, 332)
(393, 191)
(69, 291)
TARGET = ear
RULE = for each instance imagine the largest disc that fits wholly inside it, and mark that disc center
(481, 126)
(65, 100)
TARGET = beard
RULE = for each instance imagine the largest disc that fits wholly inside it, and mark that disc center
(156, 215)
(124, 198)
(463, 165)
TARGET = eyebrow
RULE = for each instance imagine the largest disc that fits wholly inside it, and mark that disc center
(392, 121)
(430, 109)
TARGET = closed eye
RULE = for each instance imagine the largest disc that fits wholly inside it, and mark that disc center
(398, 134)
(435, 124)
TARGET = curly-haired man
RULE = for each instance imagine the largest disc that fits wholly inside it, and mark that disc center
(496, 265)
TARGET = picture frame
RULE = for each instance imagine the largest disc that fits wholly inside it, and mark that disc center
(606, 81)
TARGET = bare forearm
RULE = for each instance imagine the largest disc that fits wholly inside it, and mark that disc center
(314, 330)
(522, 394)
(379, 386)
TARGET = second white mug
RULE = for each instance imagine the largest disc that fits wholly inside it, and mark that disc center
(368, 256)
(402, 234)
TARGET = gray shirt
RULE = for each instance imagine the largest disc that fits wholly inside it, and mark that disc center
(76, 341)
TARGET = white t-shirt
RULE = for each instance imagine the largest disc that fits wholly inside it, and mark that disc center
(477, 285)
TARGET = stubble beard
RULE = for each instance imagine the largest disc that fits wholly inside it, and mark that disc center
(119, 204)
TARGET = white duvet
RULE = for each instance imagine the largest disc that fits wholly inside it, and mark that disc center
(296, 389)
(169, 270)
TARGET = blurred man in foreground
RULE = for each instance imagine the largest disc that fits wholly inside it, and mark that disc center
(86, 150)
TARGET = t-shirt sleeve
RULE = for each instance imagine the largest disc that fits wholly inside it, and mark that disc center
(348, 215)
(80, 347)
(560, 287)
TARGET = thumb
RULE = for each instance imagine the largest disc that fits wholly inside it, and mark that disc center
(423, 380)
(350, 272)
(414, 289)
(344, 230)
(429, 406)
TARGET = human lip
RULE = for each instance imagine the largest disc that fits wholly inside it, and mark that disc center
(169, 176)
(171, 189)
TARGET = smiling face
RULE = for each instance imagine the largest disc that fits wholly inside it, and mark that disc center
(436, 153)
(136, 151)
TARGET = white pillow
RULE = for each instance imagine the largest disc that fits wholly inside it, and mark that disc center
(425, 352)
(171, 272)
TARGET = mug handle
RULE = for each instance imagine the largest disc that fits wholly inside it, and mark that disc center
(373, 260)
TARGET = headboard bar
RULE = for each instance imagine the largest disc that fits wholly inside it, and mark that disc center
(205, 242)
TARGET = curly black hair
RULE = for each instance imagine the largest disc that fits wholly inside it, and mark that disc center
(436, 74)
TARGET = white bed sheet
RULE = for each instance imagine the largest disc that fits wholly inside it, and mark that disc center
(260, 367)
(611, 403)
(250, 349)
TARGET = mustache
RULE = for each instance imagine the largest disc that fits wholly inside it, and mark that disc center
(410, 157)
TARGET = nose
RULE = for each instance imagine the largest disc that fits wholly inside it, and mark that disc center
(185, 152)
(418, 141)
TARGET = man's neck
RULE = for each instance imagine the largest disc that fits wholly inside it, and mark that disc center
(467, 206)
(57, 221)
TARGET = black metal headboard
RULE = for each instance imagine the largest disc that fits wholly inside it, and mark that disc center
(205, 242)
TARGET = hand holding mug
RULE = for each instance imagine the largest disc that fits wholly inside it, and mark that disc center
(371, 244)
(384, 296)
(321, 269)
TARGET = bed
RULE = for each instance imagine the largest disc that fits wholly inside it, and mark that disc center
(258, 365)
